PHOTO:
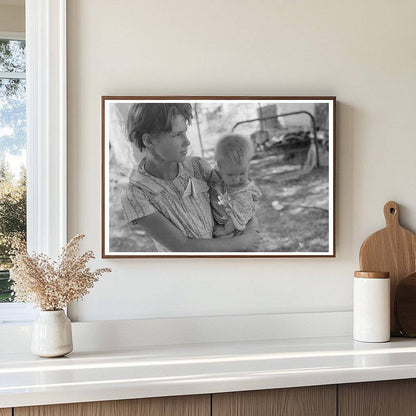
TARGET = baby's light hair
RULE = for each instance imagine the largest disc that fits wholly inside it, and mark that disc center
(234, 148)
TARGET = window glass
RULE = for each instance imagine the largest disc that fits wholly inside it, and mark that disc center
(12, 55)
(12, 155)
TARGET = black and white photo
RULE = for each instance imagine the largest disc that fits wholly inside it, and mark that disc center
(218, 176)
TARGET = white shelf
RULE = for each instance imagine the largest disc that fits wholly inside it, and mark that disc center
(150, 371)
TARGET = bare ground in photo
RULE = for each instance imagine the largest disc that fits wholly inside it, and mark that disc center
(293, 215)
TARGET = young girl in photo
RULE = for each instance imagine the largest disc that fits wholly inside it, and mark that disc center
(168, 193)
(234, 197)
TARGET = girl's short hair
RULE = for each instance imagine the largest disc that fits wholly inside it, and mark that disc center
(154, 118)
(234, 148)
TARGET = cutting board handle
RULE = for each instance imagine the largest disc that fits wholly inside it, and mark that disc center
(391, 213)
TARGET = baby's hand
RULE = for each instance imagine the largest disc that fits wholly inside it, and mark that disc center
(229, 227)
(219, 231)
(224, 231)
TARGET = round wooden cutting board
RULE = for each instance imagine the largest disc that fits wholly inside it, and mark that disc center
(393, 250)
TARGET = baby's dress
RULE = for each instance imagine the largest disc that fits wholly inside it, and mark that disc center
(238, 203)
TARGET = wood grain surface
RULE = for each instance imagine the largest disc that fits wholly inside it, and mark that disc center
(372, 275)
(160, 406)
(5, 412)
(381, 398)
(300, 401)
(392, 250)
(405, 305)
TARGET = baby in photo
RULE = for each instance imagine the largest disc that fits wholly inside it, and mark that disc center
(234, 197)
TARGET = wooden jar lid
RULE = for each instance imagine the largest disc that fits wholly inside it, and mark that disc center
(373, 275)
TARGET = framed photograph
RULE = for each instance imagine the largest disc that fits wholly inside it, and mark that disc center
(218, 177)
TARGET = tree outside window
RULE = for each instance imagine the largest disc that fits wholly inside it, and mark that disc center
(12, 155)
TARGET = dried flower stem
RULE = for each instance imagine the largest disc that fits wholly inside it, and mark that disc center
(53, 285)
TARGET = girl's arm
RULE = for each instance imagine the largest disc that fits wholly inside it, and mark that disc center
(162, 230)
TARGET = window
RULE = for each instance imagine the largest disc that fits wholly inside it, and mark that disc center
(12, 154)
(45, 135)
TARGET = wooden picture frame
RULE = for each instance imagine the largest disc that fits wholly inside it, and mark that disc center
(294, 141)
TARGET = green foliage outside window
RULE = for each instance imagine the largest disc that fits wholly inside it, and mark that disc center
(12, 145)
(12, 222)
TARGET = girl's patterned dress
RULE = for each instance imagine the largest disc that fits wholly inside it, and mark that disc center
(184, 201)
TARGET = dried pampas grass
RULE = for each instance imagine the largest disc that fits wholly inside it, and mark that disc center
(52, 285)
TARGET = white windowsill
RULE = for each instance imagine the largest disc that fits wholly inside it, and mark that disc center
(94, 336)
(16, 313)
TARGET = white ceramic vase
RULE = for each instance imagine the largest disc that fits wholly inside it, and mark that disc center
(52, 334)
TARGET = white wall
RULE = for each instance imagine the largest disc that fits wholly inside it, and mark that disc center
(361, 51)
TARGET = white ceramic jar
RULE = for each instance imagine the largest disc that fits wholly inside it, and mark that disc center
(371, 307)
(52, 334)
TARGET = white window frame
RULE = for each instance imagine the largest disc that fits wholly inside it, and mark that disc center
(46, 126)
